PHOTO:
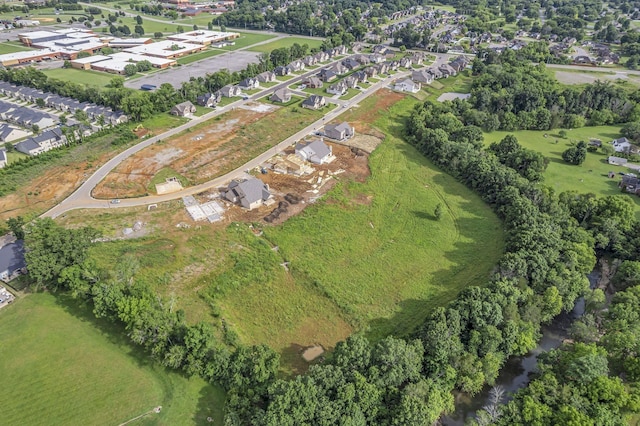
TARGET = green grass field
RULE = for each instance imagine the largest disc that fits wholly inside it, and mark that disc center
(199, 56)
(60, 366)
(591, 176)
(90, 78)
(287, 42)
(11, 48)
(247, 39)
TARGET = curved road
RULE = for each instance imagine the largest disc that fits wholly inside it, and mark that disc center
(81, 198)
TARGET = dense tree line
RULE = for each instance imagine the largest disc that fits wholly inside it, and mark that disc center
(508, 93)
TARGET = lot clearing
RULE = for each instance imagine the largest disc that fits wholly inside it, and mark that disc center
(368, 256)
(61, 366)
(587, 77)
(207, 150)
(39, 186)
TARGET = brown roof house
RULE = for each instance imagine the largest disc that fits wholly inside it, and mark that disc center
(339, 132)
(282, 95)
(185, 109)
(249, 193)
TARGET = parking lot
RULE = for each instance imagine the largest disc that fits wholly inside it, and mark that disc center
(233, 61)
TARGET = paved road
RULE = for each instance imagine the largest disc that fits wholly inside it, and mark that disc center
(82, 197)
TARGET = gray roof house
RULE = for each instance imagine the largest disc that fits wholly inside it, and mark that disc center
(10, 133)
(314, 102)
(621, 145)
(339, 132)
(3, 158)
(43, 142)
(249, 83)
(282, 95)
(313, 82)
(282, 71)
(11, 260)
(266, 77)
(422, 76)
(327, 75)
(249, 193)
(297, 66)
(29, 147)
(407, 86)
(183, 109)
(316, 152)
(340, 88)
(229, 91)
(209, 99)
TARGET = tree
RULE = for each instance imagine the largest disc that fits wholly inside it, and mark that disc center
(631, 130)
(138, 30)
(9, 147)
(437, 213)
(563, 134)
(80, 115)
(576, 154)
(16, 226)
(627, 275)
(138, 19)
(40, 103)
(157, 34)
(130, 70)
(35, 128)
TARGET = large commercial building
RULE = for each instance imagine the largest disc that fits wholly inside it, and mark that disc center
(204, 37)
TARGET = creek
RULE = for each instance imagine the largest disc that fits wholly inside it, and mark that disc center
(515, 374)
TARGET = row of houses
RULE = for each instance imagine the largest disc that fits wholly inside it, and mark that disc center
(60, 103)
(45, 141)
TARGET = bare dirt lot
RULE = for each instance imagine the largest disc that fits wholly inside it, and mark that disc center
(198, 155)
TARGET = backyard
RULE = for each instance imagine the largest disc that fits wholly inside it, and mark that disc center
(61, 366)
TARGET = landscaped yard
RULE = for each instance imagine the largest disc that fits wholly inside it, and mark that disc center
(90, 78)
(60, 366)
(287, 42)
(591, 176)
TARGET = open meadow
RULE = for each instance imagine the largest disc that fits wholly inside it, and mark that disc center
(61, 366)
(370, 256)
(591, 176)
(287, 42)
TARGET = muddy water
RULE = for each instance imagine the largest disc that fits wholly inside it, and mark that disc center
(516, 372)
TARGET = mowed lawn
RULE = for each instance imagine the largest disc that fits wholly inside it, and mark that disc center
(59, 366)
(591, 176)
(287, 42)
(90, 78)
(247, 39)
(11, 48)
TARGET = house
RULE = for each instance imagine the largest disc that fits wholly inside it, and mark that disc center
(621, 145)
(43, 142)
(316, 152)
(249, 83)
(392, 65)
(338, 68)
(406, 62)
(617, 161)
(351, 82)
(361, 59)
(380, 49)
(595, 142)
(314, 102)
(583, 59)
(371, 71)
(422, 77)
(327, 75)
(321, 57)
(418, 58)
(184, 109)
(282, 95)
(340, 88)
(209, 99)
(296, 66)
(339, 50)
(9, 133)
(407, 85)
(313, 82)
(282, 71)
(382, 68)
(361, 76)
(249, 193)
(435, 72)
(3, 158)
(339, 132)
(460, 63)
(447, 70)
(310, 61)
(630, 184)
(376, 59)
(266, 77)
(230, 91)
(351, 64)
(11, 260)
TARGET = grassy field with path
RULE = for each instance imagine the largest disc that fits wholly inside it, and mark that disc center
(60, 366)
